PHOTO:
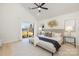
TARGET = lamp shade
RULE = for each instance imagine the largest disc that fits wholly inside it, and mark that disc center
(69, 29)
(40, 28)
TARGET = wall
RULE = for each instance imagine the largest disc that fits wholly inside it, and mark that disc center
(12, 17)
(60, 19)
(1, 22)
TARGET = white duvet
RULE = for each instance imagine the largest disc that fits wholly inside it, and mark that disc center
(47, 45)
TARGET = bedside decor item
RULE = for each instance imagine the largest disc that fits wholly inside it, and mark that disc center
(69, 29)
(43, 27)
(40, 28)
(52, 23)
(69, 26)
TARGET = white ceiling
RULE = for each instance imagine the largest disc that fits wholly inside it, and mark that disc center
(54, 9)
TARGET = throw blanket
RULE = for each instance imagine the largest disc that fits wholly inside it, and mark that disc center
(55, 43)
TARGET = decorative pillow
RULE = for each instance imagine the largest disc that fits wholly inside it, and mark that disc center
(58, 34)
(49, 34)
(53, 34)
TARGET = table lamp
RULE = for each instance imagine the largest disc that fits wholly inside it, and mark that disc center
(69, 29)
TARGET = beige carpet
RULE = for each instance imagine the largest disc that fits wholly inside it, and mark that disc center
(24, 48)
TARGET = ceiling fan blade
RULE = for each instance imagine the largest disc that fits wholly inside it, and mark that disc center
(34, 8)
(42, 4)
(44, 8)
(36, 4)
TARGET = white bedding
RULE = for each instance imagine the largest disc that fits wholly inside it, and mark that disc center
(59, 39)
(47, 45)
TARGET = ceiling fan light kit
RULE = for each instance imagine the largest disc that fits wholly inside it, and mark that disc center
(39, 6)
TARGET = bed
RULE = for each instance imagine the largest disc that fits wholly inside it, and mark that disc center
(51, 44)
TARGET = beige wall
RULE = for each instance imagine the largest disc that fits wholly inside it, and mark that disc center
(12, 17)
(0, 21)
(60, 19)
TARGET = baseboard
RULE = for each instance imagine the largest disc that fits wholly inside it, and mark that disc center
(13, 41)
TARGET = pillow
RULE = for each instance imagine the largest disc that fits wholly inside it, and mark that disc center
(49, 34)
(57, 34)
(40, 35)
(54, 34)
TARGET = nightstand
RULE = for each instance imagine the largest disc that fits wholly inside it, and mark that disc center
(69, 37)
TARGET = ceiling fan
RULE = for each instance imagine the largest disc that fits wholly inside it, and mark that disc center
(39, 6)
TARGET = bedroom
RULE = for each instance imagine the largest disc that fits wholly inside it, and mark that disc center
(13, 14)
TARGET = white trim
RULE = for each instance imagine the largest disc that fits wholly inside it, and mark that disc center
(10, 41)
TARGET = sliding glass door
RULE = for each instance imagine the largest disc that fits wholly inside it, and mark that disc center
(27, 29)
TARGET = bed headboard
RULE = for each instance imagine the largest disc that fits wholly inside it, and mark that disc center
(50, 31)
(55, 30)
